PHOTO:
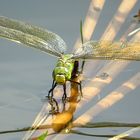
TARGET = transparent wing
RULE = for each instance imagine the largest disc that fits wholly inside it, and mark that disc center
(108, 50)
(32, 36)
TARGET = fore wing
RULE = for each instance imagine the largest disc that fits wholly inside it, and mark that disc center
(108, 50)
(32, 36)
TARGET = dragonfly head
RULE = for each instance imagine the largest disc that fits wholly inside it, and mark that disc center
(60, 79)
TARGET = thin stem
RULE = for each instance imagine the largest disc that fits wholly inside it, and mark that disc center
(26, 129)
(106, 124)
(106, 136)
(88, 125)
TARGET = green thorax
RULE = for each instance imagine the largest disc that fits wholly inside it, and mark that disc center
(63, 69)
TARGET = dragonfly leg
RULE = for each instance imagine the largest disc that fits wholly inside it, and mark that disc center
(54, 106)
(82, 66)
(80, 86)
(64, 94)
(78, 72)
(50, 94)
(64, 105)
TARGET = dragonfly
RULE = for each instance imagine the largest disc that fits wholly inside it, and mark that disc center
(67, 66)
